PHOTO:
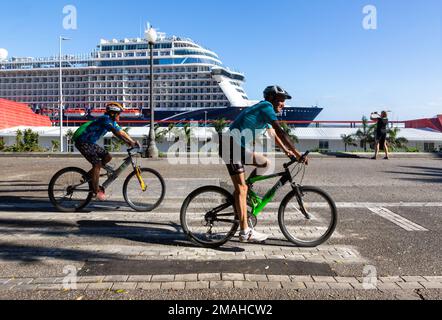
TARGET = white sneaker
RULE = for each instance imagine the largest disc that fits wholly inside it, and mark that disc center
(253, 236)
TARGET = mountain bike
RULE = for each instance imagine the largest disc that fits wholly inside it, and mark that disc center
(307, 216)
(71, 190)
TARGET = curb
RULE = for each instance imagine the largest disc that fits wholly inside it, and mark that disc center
(221, 281)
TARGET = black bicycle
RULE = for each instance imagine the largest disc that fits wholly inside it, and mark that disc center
(70, 190)
(307, 216)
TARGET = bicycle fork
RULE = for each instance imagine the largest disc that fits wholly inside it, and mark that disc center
(299, 196)
(139, 176)
(140, 179)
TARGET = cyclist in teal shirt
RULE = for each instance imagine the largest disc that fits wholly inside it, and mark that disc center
(256, 119)
(243, 132)
(86, 138)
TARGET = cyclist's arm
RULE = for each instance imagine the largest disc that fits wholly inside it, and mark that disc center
(278, 141)
(285, 139)
(125, 137)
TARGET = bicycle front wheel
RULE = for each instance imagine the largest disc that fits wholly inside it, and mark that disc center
(308, 219)
(148, 199)
(208, 217)
(70, 190)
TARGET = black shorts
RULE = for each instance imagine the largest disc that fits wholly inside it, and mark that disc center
(237, 156)
(381, 138)
(92, 152)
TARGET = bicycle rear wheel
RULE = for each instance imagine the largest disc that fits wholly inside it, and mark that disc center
(70, 190)
(312, 231)
(151, 198)
(208, 217)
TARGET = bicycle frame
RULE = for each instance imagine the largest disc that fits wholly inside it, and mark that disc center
(258, 204)
(117, 173)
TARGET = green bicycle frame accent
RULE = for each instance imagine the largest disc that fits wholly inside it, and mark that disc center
(258, 204)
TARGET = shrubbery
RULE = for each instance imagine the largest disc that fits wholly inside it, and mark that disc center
(26, 141)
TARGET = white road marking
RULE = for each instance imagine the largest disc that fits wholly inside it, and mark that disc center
(274, 205)
(16, 177)
(397, 219)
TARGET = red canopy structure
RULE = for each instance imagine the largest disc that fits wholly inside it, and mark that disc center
(434, 123)
(14, 114)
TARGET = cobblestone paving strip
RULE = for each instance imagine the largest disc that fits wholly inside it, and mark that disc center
(221, 281)
(325, 254)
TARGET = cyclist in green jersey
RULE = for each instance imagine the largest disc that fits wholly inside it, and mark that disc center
(86, 138)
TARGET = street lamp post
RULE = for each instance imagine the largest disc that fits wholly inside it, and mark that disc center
(60, 113)
(205, 126)
(152, 151)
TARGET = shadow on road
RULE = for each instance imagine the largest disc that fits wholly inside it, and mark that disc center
(168, 234)
(33, 254)
(422, 174)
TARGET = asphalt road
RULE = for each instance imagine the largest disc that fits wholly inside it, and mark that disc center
(36, 241)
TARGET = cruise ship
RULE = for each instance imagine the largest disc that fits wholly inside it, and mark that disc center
(190, 84)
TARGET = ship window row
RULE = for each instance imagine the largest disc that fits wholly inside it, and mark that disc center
(118, 63)
(52, 107)
(194, 52)
(35, 74)
(135, 54)
(158, 96)
(107, 78)
(111, 84)
(202, 80)
(129, 47)
(185, 45)
(227, 74)
(234, 83)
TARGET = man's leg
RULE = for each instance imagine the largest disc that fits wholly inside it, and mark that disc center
(261, 162)
(241, 190)
(107, 159)
(387, 155)
(376, 150)
(96, 178)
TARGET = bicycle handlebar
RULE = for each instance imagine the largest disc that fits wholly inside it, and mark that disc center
(295, 160)
(138, 150)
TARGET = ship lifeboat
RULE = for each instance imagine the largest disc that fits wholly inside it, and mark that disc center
(75, 113)
(131, 113)
(98, 112)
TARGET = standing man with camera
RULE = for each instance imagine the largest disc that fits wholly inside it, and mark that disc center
(381, 133)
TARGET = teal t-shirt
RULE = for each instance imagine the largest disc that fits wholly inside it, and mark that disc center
(254, 120)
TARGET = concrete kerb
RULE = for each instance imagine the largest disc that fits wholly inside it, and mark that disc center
(225, 281)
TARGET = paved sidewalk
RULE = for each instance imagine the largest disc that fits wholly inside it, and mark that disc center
(389, 225)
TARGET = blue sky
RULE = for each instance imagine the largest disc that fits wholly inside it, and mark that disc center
(317, 49)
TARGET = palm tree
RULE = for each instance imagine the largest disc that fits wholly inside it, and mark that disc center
(55, 145)
(289, 132)
(366, 134)
(394, 141)
(220, 125)
(69, 136)
(117, 143)
(349, 140)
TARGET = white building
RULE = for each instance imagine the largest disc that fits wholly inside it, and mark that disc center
(326, 139)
